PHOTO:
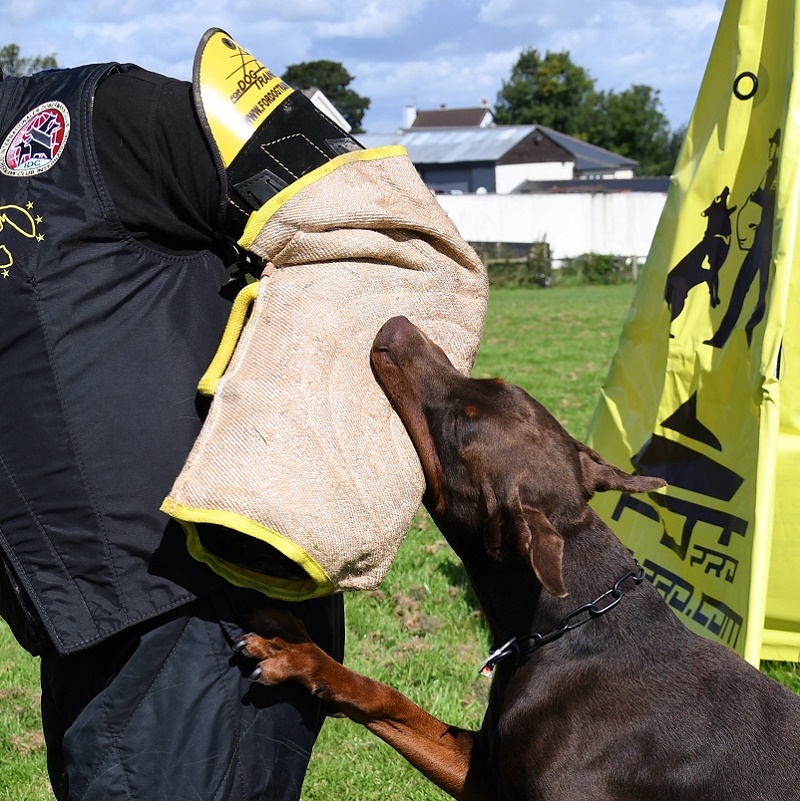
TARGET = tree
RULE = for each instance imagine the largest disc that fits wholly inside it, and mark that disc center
(632, 124)
(13, 65)
(554, 92)
(333, 80)
(673, 150)
(550, 91)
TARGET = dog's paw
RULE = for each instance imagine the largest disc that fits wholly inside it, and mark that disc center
(276, 661)
(252, 646)
(280, 644)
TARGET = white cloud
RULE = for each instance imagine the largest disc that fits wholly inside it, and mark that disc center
(494, 11)
(378, 19)
(437, 51)
(456, 83)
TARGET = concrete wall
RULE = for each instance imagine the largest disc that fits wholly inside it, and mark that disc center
(509, 176)
(618, 223)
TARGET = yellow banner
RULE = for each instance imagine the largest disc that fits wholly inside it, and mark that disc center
(702, 391)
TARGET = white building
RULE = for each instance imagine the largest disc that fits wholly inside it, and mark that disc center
(521, 184)
(501, 158)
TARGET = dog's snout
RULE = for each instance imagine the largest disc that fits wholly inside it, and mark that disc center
(392, 333)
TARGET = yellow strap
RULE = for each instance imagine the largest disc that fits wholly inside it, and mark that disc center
(233, 329)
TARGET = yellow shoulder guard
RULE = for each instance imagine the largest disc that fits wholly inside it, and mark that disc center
(234, 92)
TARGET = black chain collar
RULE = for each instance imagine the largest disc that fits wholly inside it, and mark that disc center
(590, 611)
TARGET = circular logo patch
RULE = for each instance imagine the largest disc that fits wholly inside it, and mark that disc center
(37, 141)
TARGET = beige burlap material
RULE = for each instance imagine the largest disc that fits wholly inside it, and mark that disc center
(301, 449)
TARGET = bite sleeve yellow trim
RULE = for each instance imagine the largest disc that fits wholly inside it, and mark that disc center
(258, 219)
(316, 585)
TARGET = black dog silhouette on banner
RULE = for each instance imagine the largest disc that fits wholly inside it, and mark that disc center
(754, 225)
(713, 248)
(754, 233)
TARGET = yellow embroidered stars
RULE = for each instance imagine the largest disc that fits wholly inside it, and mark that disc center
(20, 221)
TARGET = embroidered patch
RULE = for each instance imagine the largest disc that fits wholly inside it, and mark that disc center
(37, 141)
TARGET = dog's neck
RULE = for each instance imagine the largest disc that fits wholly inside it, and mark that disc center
(512, 598)
(594, 559)
(509, 596)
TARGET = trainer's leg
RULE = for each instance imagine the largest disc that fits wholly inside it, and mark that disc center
(165, 710)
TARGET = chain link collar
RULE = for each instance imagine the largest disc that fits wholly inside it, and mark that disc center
(598, 607)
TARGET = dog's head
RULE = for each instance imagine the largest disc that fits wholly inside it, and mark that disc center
(499, 468)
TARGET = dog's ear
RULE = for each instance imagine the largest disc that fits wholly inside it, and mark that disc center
(545, 549)
(517, 532)
(599, 475)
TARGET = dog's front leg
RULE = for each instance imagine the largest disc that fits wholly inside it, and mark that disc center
(444, 754)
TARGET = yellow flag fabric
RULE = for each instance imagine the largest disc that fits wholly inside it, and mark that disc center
(704, 389)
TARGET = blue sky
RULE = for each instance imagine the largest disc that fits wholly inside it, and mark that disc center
(416, 52)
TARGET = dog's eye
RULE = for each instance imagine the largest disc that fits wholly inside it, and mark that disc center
(465, 428)
(467, 414)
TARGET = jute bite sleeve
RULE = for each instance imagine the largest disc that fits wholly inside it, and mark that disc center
(301, 454)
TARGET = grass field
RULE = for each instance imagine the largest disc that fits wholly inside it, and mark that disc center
(422, 631)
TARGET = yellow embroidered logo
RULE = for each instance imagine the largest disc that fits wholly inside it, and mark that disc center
(22, 221)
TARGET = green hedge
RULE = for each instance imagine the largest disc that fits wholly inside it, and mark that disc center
(595, 268)
(510, 265)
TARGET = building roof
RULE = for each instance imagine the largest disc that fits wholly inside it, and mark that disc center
(588, 156)
(453, 145)
(490, 144)
(453, 118)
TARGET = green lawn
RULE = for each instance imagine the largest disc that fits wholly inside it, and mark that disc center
(422, 632)
(23, 776)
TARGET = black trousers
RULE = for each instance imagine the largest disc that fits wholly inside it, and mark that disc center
(165, 710)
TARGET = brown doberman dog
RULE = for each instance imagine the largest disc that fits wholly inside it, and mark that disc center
(599, 691)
